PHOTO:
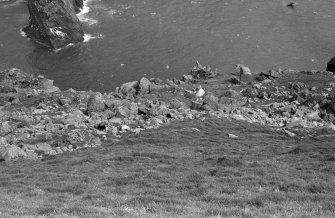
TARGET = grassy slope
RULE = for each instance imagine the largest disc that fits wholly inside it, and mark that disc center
(177, 171)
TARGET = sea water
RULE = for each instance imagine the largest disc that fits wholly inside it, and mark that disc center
(128, 39)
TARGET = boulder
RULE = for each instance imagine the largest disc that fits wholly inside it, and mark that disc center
(53, 23)
(95, 103)
(195, 105)
(212, 101)
(331, 65)
(128, 89)
(9, 152)
(242, 70)
(144, 86)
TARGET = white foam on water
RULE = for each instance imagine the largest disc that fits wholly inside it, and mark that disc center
(88, 37)
(85, 9)
(22, 33)
(82, 15)
(88, 20)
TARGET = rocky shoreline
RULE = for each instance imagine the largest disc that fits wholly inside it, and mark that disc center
(38, 119)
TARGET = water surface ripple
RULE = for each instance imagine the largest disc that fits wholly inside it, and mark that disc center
(159, 38)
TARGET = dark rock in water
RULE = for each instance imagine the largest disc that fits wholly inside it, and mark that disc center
(78, 5)
(202, 72)
(331, 65)
(128, 89)
(54, 23)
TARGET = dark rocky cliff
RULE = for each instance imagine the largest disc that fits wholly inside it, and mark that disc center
(54, 23)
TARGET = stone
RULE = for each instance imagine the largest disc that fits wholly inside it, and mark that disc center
(242, 70)
(291, 134)
(53, 23)
(95, 103)
(272, 74)
(202, 72)
(144, 86)
(10, 152)
(212, 101)
(195, 105)
(187, 78)
(39, 148)
(331, 65)
(200, 92)
(159, 110)
(175, 104)
(96, 142)
(128, 89)
(232, 94)
(313, 116)
(124, 128)
(250, 92)
(47, 86)
(5, 128)
(123, 111)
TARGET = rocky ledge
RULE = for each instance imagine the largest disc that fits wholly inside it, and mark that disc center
(37, 119)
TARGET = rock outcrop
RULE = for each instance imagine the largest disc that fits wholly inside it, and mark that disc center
(54, 23)
(331, 65)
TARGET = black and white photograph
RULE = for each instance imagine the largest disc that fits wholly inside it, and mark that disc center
(167, 108)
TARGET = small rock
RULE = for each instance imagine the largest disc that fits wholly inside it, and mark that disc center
(124, 128)
(200, 92)
(291, 134)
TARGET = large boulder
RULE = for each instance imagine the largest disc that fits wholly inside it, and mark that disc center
(331, 65)
(54, 23)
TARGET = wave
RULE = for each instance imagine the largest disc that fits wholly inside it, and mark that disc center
(23, 34)
(87, 38)
(82, 15)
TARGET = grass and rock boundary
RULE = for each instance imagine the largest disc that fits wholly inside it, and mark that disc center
(37, 119)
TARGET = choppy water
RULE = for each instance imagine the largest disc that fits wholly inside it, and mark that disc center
(163, 38)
